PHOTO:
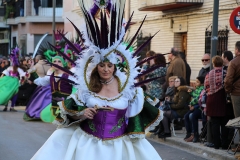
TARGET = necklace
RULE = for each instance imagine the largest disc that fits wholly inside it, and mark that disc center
(107, 82)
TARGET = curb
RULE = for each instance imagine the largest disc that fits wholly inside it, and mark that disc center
(198, 148)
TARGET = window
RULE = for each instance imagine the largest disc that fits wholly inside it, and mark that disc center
(222, 41)
(49, 4)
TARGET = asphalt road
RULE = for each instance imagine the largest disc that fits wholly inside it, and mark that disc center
(19, 140)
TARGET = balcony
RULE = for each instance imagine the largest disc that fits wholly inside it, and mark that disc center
(164, 5)
(45, 16)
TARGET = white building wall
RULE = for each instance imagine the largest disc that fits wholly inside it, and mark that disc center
(197, 19)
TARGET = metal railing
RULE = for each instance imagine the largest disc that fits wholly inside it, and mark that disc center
(222, 41)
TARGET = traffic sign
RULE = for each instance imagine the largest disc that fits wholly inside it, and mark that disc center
(235, 20)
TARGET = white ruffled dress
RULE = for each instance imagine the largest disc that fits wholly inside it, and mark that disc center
(72, 143)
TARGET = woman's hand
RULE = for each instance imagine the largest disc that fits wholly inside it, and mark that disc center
(89, 113)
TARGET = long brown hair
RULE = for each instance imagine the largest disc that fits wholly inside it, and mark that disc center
(95, 85)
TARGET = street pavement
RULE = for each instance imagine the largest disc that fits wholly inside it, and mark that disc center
(19, 140)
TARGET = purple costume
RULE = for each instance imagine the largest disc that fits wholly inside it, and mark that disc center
(106, 124)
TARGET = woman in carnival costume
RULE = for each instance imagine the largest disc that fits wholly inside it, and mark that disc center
(61, 87)
(40, 103)
(107, 117)
(42, 96)
(10, 81)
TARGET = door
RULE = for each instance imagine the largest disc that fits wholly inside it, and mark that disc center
(184, 43)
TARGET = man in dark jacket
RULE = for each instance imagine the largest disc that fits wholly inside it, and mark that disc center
(37, 4)
(188, 68)
(232, 81)
(206, 65)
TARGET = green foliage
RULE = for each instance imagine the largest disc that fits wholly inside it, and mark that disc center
(9, 10)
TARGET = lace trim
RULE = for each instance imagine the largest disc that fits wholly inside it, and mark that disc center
(63, 113)
(155, 122)
(106, 99)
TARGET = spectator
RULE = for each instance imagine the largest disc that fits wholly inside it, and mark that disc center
(37, 4)
(188, 69)
(232, 81)
(40, 68)
(23, 64)
(168, 96)
(178, 106)
(21, 5)
(37, 58)
(4, 65)
(154, 88)
(192, 116)
(206, 65)
(227, 56)
(176, 67)
(216, 103)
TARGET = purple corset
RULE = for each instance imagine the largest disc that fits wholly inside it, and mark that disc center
(106, 124)
(14, 74)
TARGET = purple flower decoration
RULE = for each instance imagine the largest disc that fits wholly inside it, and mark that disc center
(14, 56)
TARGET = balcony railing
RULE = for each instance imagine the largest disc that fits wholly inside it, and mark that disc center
(1, 11)
(45, 14)
(164, 5)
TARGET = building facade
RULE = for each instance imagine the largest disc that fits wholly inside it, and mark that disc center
(26, 30)
(4, 32)
(184, 24)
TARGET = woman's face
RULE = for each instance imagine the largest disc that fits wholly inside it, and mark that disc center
(57, 62)
(105, 70)
(171, 82)
(177, 82)
(29, 62)
(24, 62)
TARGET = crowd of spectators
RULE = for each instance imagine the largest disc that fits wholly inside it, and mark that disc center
(213, 97)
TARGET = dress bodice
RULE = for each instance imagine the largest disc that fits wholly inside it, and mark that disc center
(12, 74)
(61, 85)
(106, 124)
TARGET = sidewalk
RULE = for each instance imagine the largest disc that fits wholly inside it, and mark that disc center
(195, 148)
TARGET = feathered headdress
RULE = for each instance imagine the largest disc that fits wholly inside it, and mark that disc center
(104, 39)
(14, 56)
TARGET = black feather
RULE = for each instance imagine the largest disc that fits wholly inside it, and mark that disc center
(150, 70)
(146, 81)
(63, 54)
(75, 49)
(61, 68)
(134, 37)
(143, 45)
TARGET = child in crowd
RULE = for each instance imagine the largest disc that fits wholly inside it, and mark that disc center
(195, 113)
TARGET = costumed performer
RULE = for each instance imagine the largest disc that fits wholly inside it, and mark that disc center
(42, 96)
(10, 81)
(107, 117)
(60, 88)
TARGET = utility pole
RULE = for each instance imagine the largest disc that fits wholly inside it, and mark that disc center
(53, 23)
(214, 38)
